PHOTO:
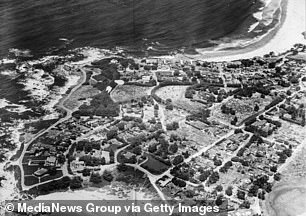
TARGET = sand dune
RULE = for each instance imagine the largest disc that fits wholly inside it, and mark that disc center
(287, 199)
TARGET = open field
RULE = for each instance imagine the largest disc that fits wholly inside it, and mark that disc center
(30, 180)
(126, 93)
(177, 95)
(84, 92)
(204, 137)
(289, 133)
(175, 115)
(29, 170)
(58, 174)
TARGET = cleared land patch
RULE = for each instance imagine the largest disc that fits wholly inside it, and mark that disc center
(126, 93)
(177, 95)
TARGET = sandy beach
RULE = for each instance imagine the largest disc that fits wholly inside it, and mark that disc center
(286, 33)
(108, 193)
(287, 198)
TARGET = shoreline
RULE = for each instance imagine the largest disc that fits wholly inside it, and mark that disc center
(290, 24)
(281, 38)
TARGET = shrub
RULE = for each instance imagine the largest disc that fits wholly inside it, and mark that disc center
(107, 175)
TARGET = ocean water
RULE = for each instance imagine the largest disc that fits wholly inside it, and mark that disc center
(138, 26)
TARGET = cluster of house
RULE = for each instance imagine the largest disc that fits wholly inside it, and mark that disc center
(233, 142)
(293, 110)
(263, 127)
(78, 165)
(133, 109)
(261, 158)
(49, 162)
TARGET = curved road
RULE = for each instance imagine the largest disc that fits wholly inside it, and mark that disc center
(67, 116)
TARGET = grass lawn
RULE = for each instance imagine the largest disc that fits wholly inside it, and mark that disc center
(84, 92)
(30, 180)
(29, 170)
(177, 95)
(58, 174)
(28, 157)
(40, 125)
(126, 93)
(155, 166)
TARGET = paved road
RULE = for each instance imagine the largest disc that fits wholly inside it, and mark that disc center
(67, 116)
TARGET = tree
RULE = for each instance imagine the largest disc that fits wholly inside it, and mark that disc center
(282, 158)
(52, 171)
(204, 175)
(256, 108)
(173, 126)
(277, 176)
(122, 167)
(289, 93)
(246, 204)
(107, 175)
(111, 133)
(271, 65)
(241, 194)
(217, 162)
(175, 137)
(178, 182)
(142, 126)
(111, 153)
(95, 178)
(253, 190)
(61, 159)
(76, 183)
(273, 169)
(234, 121)
(294, 80)
(219, 188)
(194, 79)
(86, 172)
(186, 154)
(189, 94)
(261, 195)
(238, 130)
(278, 69)
(152, 121)
(229, 191)
(173, 148)
(152, 148)
(213, 178)
(177, 160)
(168, 100)
(121, 126)
(137, 150)
(219, 200)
